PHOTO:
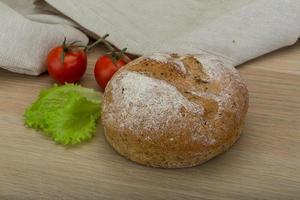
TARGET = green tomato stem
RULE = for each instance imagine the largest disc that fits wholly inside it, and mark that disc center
(101, 39)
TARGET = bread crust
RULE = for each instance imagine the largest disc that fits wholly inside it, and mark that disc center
(173, 111)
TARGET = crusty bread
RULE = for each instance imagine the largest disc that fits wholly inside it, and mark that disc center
(174, 111)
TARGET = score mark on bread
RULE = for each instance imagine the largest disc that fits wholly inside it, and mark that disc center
(174, 111)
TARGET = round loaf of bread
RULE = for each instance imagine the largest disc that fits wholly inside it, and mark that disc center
(173, 111)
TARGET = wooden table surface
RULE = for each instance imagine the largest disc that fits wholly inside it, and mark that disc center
(263, 164)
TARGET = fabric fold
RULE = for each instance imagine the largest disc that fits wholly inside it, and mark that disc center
(24, 44)
(235, 30)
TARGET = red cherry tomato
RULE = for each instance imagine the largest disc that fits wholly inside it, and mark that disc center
(105, 69)
(69, 68)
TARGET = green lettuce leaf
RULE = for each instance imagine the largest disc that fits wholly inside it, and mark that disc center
(67, 113)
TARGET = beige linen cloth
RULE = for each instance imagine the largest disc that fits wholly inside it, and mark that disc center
(234, 30)
(24, 44)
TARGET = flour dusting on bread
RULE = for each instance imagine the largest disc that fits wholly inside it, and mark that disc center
(148, 103)
(166, 58)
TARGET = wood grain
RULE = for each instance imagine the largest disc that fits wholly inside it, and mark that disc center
(263, 164)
